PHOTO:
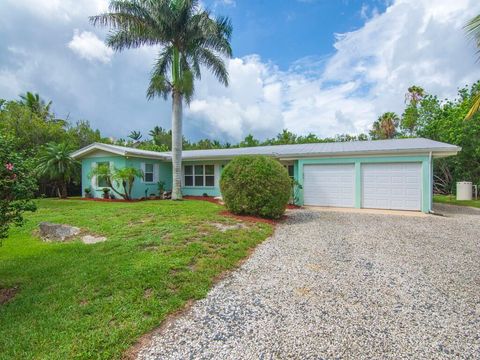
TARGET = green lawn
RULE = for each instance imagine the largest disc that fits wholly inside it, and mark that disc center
(93, 301)
(450, 199)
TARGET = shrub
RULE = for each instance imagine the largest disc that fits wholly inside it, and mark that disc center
(255, 185)
(17, 185)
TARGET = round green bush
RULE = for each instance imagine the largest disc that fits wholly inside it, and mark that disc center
(256, 185)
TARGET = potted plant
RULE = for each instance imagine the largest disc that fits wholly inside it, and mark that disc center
(106, 193)
(161, 189)
(88, 193)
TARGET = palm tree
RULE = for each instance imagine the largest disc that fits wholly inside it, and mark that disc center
(410, 116)
(55, 163)
(385, 127)
(473, 30)
(36, 104)
(135, 135)
(115, 177)
(189, 38)
(414, 95)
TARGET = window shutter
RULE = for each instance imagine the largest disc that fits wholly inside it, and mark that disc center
(156, 173)
(142, 167)
(112, 169)
(93, 180)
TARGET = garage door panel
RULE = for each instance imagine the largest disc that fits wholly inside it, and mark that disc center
(329, 185)
(392, 186)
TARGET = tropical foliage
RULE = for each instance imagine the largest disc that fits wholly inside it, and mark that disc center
(473, 30)
(17, 185)
(189, 38)
(55, 163)
(120, 181)
(36, 130)
(385, 127)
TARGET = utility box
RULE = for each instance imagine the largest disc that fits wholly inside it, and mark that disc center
(464, 190)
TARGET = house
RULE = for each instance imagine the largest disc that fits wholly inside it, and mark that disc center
(385, 174)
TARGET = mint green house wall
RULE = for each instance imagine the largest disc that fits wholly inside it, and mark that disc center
(427, 179)
(209, 190)
(87, 182)
(139, 186)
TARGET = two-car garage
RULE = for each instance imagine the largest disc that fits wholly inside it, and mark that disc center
(395, 185)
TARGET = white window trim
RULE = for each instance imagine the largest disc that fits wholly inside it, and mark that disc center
(215, 176)
(145, 173)
(110, 164)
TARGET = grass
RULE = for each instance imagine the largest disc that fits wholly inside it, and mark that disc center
(80, 301)
(450, 199)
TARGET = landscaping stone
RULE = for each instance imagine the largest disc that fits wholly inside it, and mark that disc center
(226, 227)
(57, 232)
(91, 239)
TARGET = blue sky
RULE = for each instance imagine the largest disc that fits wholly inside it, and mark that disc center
(321, 66)
(285, 31)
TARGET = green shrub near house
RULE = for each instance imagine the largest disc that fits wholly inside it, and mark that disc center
(256, 185)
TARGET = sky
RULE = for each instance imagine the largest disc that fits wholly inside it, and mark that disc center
(321, 66)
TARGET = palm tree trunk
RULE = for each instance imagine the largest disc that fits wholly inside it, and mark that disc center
(177, 145)
(64, 190)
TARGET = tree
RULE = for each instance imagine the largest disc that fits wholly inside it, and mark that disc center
(410, 116)
(82, 135)
(385, 127)
(17, 185)
(135, 135)
(124, 177)
(54, 163)
(249, 141)
(189, 38)
(473, 30)
(30, 130)
(36, 104)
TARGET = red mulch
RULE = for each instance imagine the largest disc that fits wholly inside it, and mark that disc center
(293, 207)
(252, 218)
(204, 198)
(7, 294)
(106, 200)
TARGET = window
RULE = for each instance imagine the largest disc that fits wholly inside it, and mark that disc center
(199, 175)
(291, 171)
(102, 180)
(148, 173)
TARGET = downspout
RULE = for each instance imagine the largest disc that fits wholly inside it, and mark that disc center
(430, 172)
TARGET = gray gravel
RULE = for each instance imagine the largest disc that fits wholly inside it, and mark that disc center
(333, 285)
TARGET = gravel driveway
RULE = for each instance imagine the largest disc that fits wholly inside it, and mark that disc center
(332, 285)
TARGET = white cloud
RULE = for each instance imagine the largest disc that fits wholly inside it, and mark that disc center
(414, 42)
(88, 46)
(65, 10)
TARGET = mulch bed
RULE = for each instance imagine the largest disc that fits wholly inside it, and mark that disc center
(110, 200)
(7, 294)
(242, 217)
(203, 198)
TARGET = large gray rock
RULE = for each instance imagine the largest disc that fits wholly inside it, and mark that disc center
(57, 232)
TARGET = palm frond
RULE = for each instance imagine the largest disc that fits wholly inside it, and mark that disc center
(158, 86)
(473, 30)
(475, 107)
(214, 63)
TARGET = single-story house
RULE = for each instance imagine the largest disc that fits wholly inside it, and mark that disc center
(385, 174)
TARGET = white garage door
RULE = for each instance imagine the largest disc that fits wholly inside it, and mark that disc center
(392, 186)
(329, 185)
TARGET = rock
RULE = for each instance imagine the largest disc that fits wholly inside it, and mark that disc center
(90, 239)
(57, 232)
(226, 227)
